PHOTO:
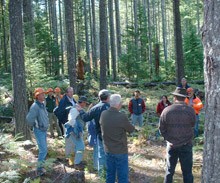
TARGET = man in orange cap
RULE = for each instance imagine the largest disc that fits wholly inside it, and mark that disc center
(58, 95)
(37, 119)
(193, 101)
(50, 105)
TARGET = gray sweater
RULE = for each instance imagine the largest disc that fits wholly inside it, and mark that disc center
(37, 116)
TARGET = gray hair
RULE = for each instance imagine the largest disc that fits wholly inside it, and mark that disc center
(115, 100)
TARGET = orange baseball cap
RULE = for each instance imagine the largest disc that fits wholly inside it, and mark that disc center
(49, 90)
(38, 91)
(57, 90)
(189, 90)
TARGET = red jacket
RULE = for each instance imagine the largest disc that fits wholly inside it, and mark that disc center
(161, 106)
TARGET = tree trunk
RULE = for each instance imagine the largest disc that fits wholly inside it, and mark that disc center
(94, 51)
(149, 37)
(118, 28)
(70, 42)
(112, 38)
(164, 28)
(178, 42)
(157, 58)
(28, 19)
(61, 37)
(18, 68)
(107, 47)
(87, 37)
(91, 38)
(135, 24)
(55, 49)
(211, 43)
(198, 16)
(5, 53)
(103, 18)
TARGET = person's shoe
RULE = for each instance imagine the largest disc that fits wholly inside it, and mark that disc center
(79, 166)
(41, 172)
(84, 163)
(71, 161)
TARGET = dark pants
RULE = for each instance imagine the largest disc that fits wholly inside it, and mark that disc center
(184, 154)
(117, 164)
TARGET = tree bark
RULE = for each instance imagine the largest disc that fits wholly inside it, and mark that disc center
(103, 18)
(70, 42)
(94, 51)
(135, 24)
(61, 37)
(118, 28)
(88, 69)
(178, 42)
(28, 19)
(164, 28)
(5, 54)
(112, 38)
(157, 58)
(149, 37)
(55, 49)
(18, 68)
(211, 43)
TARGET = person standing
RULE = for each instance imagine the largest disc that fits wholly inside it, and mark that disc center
(37, 119)
(50, 105)
(176, 126)
(58, 95)
(74, 137)
(136, 108)
(193, 101)
(95, 113)
(64, 107)
(71, 149)
(184, 84)
(114, 126)
(164, 102)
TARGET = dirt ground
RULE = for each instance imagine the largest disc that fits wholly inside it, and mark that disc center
(146, 162)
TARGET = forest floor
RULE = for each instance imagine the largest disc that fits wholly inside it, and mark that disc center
(146, 161)
(146, 153)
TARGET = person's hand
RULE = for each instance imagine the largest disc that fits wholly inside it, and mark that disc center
(78, 107)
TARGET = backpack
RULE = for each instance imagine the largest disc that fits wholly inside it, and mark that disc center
(91, 133)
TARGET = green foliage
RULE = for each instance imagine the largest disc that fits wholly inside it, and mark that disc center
(193, 54)
(10, 177)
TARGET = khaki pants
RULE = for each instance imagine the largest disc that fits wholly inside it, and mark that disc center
(53, 120)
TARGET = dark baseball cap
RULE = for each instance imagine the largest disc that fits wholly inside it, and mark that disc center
(82, 99)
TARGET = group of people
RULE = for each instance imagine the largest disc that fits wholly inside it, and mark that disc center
(108, 128)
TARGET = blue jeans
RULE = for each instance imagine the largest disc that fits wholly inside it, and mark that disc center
(117, 164)
(184, 154)
(101, 157)
(41, 138)
(137, 118)
(79, 148)
(95, 156)
(196, 127)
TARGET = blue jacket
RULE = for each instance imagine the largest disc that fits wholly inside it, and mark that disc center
(77, 129)
(95, 113)
(64, 108)
(37, 116)
(181, 86)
